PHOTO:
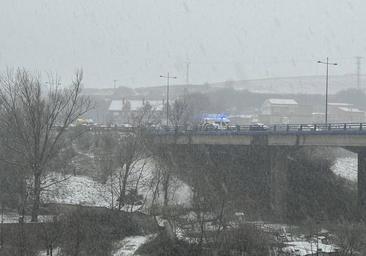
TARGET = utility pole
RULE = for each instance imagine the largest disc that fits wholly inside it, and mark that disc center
(168, 77)
(114, 83)
(358, 65)
(327, 63)
(187, 74)
(185, 92)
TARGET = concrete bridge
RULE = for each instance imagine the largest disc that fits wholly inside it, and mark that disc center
(333, 135)
(350, 136)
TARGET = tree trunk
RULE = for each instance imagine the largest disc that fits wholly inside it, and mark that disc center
(22, 247)
(122, 195)
(112, 194)
(166, 188)
(155, 195)
(137, 186)
(36, 195)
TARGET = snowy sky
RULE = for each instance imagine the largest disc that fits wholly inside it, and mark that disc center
(137, 40)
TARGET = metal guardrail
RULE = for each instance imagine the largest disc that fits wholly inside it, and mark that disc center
(333, 128)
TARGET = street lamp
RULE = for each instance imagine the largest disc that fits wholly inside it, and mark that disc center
(168, 77)
(326, 85)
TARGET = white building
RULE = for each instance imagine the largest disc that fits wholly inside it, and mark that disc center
(282, 107)
(121, 110)
(282, 111)
(341, 113)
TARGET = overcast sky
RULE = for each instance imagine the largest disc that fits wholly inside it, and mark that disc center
(137, 40)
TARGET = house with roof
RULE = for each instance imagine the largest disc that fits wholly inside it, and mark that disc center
(284, 111)
(277, 111)
(283, 107)
(345, 113)
(120, 111)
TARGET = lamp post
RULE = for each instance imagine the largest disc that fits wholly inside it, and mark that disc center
(326, 85)
(168, 77)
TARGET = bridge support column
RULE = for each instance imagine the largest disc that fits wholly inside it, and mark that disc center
(278, 166)
(361, 185)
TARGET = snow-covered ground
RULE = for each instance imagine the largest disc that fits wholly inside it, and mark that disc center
(55, 251)
(346, 167)
(78, 190)
(13, 217)
(83, 190)
(129, 245)
(302, 248)
(126, 247)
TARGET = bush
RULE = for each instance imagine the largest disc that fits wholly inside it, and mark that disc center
(245, 240)
(91, 231)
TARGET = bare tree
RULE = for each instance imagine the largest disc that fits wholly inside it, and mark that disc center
(36, 121)
(105, 160)
(128, 153)
(351, 238)
(124, 152)
(144, 117)
(179, 114)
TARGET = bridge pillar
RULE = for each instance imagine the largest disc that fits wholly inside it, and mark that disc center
(361, 185)
(278, 170)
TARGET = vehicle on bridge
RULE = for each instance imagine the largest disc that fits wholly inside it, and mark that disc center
(83, 122)
(211, 122)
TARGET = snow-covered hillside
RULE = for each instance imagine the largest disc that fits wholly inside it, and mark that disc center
(83, 190)
(79, 190)
(346, 167)
(86, 191)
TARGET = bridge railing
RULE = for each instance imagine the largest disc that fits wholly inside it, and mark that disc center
(275, 128)
(244, 129)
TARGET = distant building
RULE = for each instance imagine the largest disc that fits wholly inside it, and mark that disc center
(284, 111)
(350, 115)
(333, 108)
(318, 117)
(345, 113)
(276, 111)
(280, 107)
(120, 111)
(341, 113)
